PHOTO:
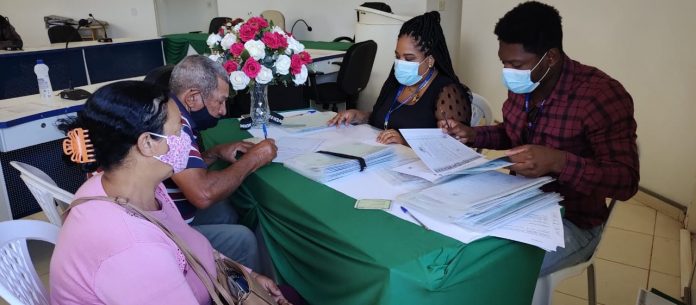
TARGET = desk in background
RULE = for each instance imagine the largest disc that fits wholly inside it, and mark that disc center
(176, 45)
(334, 254)
(83, 63)
(28, 134)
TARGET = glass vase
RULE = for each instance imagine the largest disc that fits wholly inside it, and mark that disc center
(259, 110)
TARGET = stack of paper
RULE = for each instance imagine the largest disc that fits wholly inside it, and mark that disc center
(442, 156)
(290, 147)
(324, 167)
(482, 202)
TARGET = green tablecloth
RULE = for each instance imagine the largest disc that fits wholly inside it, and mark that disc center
(176, 45)
(334, 254)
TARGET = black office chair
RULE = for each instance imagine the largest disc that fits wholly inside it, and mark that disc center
(280, 98)
(63, 33)
(216, 23)
(342, 38)
(353, 76)
(160, 76)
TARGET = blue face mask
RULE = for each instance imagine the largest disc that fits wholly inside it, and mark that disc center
(406, 72)
(520, 81)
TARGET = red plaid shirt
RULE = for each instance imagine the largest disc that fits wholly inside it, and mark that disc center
(588, 115)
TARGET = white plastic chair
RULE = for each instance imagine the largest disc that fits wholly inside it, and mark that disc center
(45, 190)
(275, 16)
(546, 285)
(19, 282)
(481, 114)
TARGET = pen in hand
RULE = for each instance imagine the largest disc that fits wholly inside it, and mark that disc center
(265, 131)
(414, 218)
(446, 121)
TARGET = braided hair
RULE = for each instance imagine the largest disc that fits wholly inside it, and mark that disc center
(430, 39)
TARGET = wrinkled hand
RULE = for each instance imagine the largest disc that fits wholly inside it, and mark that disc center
(390, 136)
(264, 152)
(536, 160)
(228, 152)
(456, 129)
(345, 118)
(272, 288)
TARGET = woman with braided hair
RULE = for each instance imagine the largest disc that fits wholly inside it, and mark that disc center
(421, 89)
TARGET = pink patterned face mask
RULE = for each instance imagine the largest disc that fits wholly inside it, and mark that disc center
(179, 148)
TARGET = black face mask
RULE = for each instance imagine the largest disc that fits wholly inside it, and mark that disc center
(203, 119)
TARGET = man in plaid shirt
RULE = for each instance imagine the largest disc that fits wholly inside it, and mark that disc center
(561, 119)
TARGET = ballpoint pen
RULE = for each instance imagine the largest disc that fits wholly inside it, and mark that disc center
(265, 131)
(414, 218)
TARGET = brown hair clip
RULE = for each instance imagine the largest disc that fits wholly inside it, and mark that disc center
(78, 146)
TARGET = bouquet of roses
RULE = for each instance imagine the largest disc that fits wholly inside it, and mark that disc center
(256, 52)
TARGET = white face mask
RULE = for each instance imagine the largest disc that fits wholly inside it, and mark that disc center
(520, 81)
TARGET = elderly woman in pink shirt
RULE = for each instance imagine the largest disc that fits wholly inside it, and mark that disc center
(105, 254)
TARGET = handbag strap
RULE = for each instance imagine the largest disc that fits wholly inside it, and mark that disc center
(214, 288)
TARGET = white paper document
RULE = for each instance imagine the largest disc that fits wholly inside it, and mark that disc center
(543, 228)
(445, 155)
(482, 202)
(306, 122)
(464, 207)
(339, 161)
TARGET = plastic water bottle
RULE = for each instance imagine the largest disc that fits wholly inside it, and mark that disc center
(44, 80)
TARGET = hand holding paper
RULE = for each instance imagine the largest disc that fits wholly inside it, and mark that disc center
(536, 160)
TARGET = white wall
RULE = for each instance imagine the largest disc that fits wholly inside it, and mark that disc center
(329, 18)
(647, 45)
(183, 16)
(127, 18)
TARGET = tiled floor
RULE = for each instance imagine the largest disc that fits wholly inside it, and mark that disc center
(640, 249)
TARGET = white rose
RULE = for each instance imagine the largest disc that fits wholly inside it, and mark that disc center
(301, 78)
(277, 29)
(256, 49)
(213, 39)
(236, 27)
(214, 57)
(265, 76)
(294, 46)
(282, 64)
(227, 41)
(239, 80)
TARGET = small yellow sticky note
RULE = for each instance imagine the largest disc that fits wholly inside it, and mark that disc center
(373, 204)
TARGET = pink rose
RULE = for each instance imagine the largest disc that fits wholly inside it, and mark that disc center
(251, 68)
(237, 49)
(295, 64)
(257, 22)
(282, 41)
(247, 32)
(269, 40)
(274, 40)
(230, 66)
(305, 57)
